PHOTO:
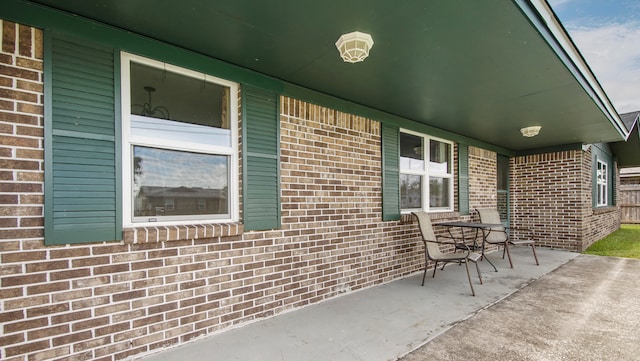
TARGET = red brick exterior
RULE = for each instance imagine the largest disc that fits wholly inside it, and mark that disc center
(164, 286)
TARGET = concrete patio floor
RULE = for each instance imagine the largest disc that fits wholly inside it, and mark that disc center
(385, 322)
(588, 309)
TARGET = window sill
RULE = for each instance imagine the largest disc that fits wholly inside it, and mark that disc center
(605, 209)
(156, 234)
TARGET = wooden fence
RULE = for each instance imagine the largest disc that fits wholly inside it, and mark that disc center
(629, 203)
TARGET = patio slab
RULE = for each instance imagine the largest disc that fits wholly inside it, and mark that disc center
(585, 310)
(380, 323)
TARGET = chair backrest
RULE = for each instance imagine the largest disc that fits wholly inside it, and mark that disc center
(428, 236)
(489, 215)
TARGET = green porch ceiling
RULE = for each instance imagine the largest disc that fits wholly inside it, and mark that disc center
(481, 69)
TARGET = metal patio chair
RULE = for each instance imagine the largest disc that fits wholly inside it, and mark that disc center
(501, 235)
(432, 250)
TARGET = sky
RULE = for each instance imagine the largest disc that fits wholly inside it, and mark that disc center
(607, 33)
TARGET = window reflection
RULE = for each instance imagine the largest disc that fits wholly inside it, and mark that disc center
(175, 183)
(439, 153)
(439, 192)
(411, 152)
(410, 191)
(161, 94)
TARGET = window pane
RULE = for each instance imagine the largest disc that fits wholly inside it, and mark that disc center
(162, 94)
(175, 183)
(439, 192)
(411, 152)
(410, 191)
(167, 105)
(439, 155)
(602, 178)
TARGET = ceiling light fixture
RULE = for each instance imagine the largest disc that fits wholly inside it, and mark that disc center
(354, 47)
(530, 131)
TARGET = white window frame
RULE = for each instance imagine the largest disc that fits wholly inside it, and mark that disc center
(128, 140)
(602, 183)
(426, 174)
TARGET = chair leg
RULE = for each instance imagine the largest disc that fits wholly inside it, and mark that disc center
(435, 267)
(426, 262)
(466, 265)
(506, 247)
(424, 275)
(479, 274)
(533, 248)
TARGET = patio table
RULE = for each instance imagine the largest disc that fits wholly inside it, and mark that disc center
(484, 227)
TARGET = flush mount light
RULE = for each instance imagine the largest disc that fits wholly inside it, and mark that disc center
(354, 47)
(530, 131)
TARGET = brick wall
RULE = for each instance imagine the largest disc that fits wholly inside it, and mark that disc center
(483, 178)
(551, 194)
(599, 222)
(21, 142)
(163, 286)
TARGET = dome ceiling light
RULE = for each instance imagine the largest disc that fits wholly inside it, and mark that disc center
(354, 47)
(530, 131)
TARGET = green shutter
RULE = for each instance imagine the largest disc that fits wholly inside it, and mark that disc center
(82, 175)
(261, 163)
(390, 172)
(503, 188)
(463, 179)
(613, 200)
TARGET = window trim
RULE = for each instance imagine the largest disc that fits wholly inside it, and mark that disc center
(232, 152)
(602, 184)
(426, 174)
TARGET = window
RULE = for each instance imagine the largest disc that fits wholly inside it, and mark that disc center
(179, 144)
(602, 184)
(425, 185)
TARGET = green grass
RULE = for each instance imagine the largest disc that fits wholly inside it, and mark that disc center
(624, 242)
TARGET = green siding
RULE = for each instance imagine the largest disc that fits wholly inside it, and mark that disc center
(390, 172)
(261, 163)
(82, 172)
(463, 179)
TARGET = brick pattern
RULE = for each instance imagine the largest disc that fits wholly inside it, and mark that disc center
(551, 194)
(483, 178)
(331, 201)
(21, 140)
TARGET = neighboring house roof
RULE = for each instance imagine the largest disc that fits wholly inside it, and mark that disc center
(182, 192)
(478, 69)
(630, 119)
(627, 152)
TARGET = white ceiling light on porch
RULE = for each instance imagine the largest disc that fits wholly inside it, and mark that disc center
(354, 47)
(530, 131)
